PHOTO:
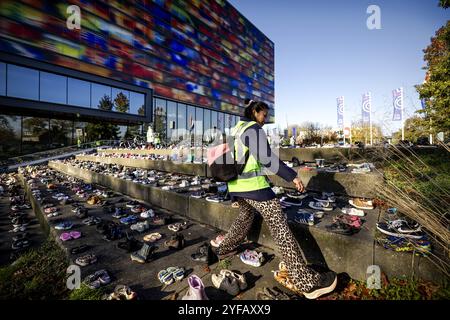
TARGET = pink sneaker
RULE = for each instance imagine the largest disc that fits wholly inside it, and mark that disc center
(196, 289)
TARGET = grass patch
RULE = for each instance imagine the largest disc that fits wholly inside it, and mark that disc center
(86, 293)
(39, 274)
(396, 289)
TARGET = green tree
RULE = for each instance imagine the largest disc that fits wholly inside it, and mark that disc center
(436, 88)
(414, 129)
(105, 103)
(121, 103)
(444, 3)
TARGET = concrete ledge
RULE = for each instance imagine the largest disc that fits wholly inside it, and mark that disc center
(355, 185)
(341, 253)
(161, 165)
(342, 183)
(163, 152)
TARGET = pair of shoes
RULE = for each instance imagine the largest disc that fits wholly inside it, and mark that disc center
(291, 201)
(176, 242)
(140, 226)
(86, 260)
(97, 279)
(20, 243)
(361, 203)
(402, 244)
(66, 225)
(204, 254)
(170, 275)
(326, 284)
(175, 227)
(340, 227)
(65, 236)
(80, 249)
(196, 289)
(122, 292)
(92, 221)
(152, 237)
(142, 256)
(130, 244)
(353, 211)
(321, 205)
(304, 217)
(252, 258)
(273, 294)
(401, 228)
(229, 281)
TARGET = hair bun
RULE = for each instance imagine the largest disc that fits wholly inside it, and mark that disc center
(248, 102)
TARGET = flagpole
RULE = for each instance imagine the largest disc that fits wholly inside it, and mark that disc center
(403, 123)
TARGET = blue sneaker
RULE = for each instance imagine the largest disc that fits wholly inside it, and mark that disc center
(304, 218)
(66, 225)
(129, 220)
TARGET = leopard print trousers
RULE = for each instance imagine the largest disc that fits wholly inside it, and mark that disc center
(303, 277)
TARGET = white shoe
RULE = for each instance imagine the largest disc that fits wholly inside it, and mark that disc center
(353, 212)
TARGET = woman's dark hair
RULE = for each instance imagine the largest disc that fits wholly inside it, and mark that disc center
(251, 105)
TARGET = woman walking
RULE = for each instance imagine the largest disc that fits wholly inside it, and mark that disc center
(253, 193)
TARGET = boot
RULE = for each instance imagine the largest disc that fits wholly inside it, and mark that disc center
(196, 289)
(204, 254)
(176, 242)
(144, 254)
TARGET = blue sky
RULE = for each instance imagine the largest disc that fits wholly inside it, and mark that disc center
(323, 49)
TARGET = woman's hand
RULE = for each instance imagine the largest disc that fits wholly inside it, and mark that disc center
(298, 185)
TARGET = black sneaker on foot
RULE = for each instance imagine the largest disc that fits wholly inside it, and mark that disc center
(326, 284)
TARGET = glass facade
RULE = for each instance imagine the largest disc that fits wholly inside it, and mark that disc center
(53, 88)
(171, 121)
(22, 82)
(28, 83)
(10, 135)
(181, 120)
(2, 79)
(177, 121)
(79, 93)
(35, 134)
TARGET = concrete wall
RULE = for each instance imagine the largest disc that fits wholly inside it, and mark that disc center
(355, 185)
(340, 253)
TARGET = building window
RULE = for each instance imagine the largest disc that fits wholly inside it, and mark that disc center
(181, 115)
(137, 103)
(198, 126)
(214, 120)
(221, 122)
(61, 133)
(120, 99)
(159, 119)
(79, 93)
(35, 134)
(53, 88)
(101, 97)
(207, 125)
(171, 121)
(23, 82)
(10, 135)
(2, 79)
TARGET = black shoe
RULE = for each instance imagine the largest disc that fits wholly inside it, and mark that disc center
(342, 228)
(204, 254)
(130, 244)
(80, 249)
(176, 242)
(326, 284)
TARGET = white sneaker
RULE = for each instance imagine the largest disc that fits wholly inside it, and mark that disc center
(148, 214)
(325, 206)
(353, 212)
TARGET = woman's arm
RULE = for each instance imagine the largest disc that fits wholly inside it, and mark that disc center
(256, 140)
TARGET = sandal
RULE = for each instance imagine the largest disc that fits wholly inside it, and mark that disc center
(152, 237)
(166, 277)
